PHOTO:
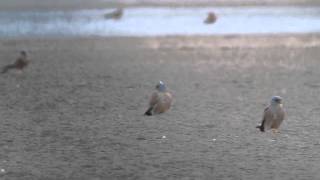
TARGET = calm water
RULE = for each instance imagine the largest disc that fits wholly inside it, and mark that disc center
(161, 21)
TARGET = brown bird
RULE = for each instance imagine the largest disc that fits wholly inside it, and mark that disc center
(160, 100)
(273, 115)
(211, 18)
(117, 14)
(19, 64)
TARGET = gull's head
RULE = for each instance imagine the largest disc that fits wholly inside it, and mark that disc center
(161, 86)
(23, 53)
(276, 100)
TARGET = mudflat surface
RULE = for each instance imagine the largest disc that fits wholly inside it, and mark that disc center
(77, 111)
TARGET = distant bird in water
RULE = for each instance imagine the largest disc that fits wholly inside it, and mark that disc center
(19, 64)
(273, 115)
(117, 14)
(211, 18)
(160, 100)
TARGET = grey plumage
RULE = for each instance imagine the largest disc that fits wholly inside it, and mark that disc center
(273, 115)
(160, 100)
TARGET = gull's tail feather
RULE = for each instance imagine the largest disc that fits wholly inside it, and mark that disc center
(7, 68)
(260, 127)
(148, 112)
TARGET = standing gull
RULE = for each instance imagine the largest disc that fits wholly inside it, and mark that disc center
(211, 18)
(19, 64)
(116, 14)
(273, 115)
(160, 100)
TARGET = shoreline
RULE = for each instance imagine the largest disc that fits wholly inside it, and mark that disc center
(193, 42)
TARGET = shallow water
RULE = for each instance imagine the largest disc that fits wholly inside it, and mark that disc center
(161, 21)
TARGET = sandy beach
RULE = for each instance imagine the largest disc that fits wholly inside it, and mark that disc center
(77, 111)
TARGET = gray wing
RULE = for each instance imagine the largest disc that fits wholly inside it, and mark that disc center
(154, 99)
(262, 125)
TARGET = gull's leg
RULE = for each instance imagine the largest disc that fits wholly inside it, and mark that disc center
(275, 131)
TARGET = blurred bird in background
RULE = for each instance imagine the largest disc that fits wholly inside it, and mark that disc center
(211, 18)
(19, 64)
(116, 15)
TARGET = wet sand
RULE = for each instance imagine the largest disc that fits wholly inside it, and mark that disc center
(77, 111)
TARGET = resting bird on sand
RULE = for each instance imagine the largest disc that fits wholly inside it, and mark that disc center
(273, 115)
(160, 100)
(117, 14)
(211, 18)
(19, 64)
